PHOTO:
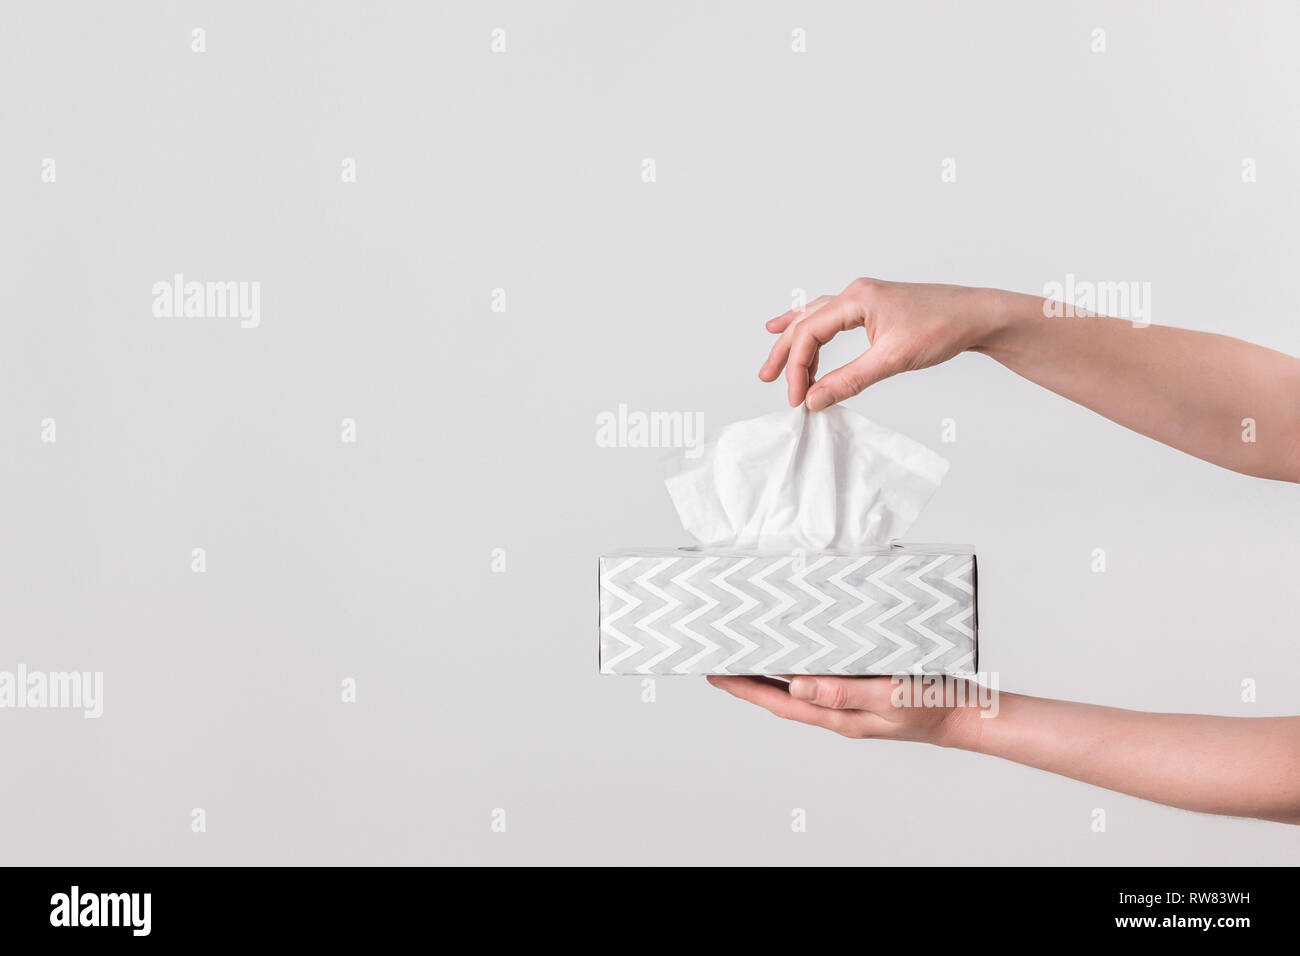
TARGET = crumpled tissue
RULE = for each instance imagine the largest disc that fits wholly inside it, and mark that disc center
(819, 481)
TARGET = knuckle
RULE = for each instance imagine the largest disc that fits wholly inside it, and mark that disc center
(863, 286)
(835, 696)
(802, 340)
(851, 384)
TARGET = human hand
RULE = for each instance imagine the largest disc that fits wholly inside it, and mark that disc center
(1238, 766)
(856, 707)
(909, 326)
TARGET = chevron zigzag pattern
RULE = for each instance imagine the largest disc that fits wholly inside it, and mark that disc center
(903, 610)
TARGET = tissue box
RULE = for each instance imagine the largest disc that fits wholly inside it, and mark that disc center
(905, 609)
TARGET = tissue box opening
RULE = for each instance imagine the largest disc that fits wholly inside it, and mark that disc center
(906, 609)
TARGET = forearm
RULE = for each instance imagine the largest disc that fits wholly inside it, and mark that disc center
(1189, 390)
(1237, 766)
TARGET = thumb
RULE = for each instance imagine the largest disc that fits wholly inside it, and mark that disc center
(848, 380)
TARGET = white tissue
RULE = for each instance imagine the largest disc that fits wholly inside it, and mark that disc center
(819, 481)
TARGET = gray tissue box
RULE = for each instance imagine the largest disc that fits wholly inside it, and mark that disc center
(905, 609)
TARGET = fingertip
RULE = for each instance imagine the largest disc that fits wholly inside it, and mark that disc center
(793, 393)
(803, 688)
(819, 399)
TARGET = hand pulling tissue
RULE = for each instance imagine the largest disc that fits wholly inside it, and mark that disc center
(797, 572)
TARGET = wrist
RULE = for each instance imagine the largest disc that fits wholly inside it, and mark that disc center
(962, 727)
(1005, 318)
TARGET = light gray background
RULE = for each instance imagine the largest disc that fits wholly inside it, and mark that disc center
(476, 431)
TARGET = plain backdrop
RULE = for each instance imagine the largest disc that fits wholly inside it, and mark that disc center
(372, 561)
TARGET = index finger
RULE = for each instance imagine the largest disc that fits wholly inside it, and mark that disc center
(782, 321)
(809, 336)
(772, 696)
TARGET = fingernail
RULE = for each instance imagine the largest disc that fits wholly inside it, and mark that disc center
(805, 688)
(817, 401)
